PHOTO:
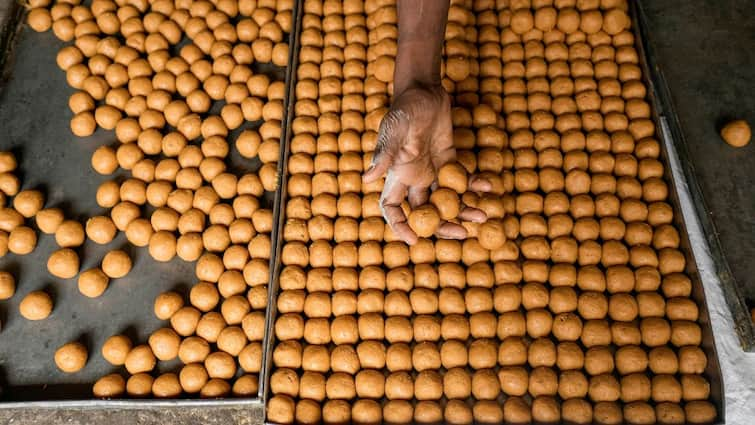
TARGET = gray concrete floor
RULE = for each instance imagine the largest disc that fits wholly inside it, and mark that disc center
(162, 416)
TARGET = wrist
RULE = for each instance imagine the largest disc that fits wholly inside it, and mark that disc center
(415, 67)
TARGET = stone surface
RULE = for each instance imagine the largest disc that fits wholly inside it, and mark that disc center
(162, 416)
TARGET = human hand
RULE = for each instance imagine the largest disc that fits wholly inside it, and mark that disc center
(414, 141)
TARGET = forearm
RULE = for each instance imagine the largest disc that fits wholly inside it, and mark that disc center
(421, 27)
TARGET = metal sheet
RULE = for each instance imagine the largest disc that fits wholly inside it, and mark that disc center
(34, 125)
(712, 372)
(705, 79)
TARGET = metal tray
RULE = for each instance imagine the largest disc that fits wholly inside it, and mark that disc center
(34, 125)
(713, 370)
(705, 79)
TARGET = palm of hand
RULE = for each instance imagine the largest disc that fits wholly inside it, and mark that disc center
(418, 135)
(415, 140)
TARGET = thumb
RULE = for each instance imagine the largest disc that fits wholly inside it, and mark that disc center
(380, 164)
(392, 130)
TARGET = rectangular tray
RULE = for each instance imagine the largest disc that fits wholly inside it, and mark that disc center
(704, 79)
(34, 125)
(713, 370)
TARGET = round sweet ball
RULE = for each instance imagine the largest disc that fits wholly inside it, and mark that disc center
(8, 162)
(424, 220)
(666, 388)
(109, 386)
(7, 285)
(116, 264)
(487, 412)
(245, 386)
(604, 388)
(100, 229)
(522, 21)
(669, 413)
(635, 387)
(185, 320)
(215, 388)
(615, 21)
(115, 349)
(427, 412)
(162, 246)
(447, 202)
(48, 220)
(384, 66)
(491, 234)
(83, 124)
(164, 343)
(28, 202)
(166, 304)
(700, 412)
(577, 411)
(607, 413)
(516, 411)
(457, 68)
(70, 234)
(458, 412)
(140, 359)
(398, 411)
(193, 377)
(545, 409)
(428, 385)
(37, 305)
(336, 412)
(93, 283)
(572, 383)
(193, 349)
(453, 176)
(685, 332)
(280, 409)
(22, 240)
(104, 160)
(663, 360)
(308, 412)
(139, 385)
(457, 383)
(736, 133)
(692, 360)
(598, 360)
(366, 412)
(71, 357)
(639, 412)
(39, 19)
(166, 385)
(220, 365)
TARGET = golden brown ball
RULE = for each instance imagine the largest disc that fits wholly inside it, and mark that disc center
(71, 357)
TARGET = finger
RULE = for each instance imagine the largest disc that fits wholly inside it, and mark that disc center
(418, 196)
(479, 184)
(449, 230)
(393, 194)
(390, 134)
(380, 165)
(473, 214)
